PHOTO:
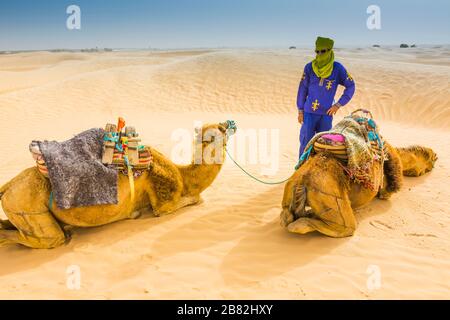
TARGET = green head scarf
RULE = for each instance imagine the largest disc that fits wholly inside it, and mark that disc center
(323, 63)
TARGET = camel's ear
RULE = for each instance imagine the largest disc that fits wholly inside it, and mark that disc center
(222, 127)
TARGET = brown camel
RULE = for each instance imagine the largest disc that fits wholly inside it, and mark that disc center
(165, 188)
(322, 184)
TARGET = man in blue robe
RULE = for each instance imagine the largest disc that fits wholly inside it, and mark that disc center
(315, 98)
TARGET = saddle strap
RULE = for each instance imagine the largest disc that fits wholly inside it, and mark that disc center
(131, 182)
(130, 177)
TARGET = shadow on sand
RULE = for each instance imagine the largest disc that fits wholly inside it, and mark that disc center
(263, 249)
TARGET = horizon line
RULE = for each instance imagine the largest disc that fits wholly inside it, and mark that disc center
(93, 49)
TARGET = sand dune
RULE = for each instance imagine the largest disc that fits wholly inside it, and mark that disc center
(231, 245)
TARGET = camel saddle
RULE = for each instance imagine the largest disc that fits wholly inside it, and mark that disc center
(355, 142)
(335, 143)
(121, 149)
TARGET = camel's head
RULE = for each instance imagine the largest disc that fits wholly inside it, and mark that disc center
(431, 158)
(228, 127)
(214, 138)
(219, 132)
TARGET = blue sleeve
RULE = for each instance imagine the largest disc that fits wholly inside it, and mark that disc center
(303, 90)
(347, 81)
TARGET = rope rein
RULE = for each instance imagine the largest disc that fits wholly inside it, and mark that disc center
(231, 129)
(252, 176)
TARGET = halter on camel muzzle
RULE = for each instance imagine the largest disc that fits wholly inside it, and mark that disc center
(230, 127)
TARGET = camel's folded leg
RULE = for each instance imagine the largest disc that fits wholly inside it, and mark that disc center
(34, 230)
(306, 225)
(172, 206)
(11, 237)
(333, 216)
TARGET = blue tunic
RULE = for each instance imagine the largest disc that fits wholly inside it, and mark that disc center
(316, 95)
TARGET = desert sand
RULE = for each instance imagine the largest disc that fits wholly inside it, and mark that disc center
(231, 245)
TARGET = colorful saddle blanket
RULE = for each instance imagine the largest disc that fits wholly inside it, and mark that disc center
(335, 144)
(356, 142)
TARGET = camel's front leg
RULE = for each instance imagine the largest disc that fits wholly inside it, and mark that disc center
(34, 230)
(294, 199)
(306, 225)
(286, 217)
(14, 237)
(333, 216)
(25, 204)
(38, 230)
(172, 206)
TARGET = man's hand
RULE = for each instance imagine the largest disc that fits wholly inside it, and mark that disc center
(300, 117)
(332, 111)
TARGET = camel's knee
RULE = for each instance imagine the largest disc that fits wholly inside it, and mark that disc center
(175, 204)
(301, 226)
(30, 241)
(384, 194)
(55, 241)
(43, 243)
(37, 229)
(343, 232)
(135, 214)
(329, 223)
(286, 217)
(331, 229)
(163, 210)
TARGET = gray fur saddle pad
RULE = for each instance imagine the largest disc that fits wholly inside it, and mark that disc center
(76, 172)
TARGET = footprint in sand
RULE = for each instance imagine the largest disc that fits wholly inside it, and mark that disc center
(381, 225)
(420, 235)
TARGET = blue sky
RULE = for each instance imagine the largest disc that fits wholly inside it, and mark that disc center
(41, 24)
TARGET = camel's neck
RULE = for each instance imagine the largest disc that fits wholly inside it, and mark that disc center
(407, 158)
(198, 177)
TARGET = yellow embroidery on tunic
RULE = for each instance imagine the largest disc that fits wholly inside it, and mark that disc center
(349, 77)
(329, 84)
(315, 105)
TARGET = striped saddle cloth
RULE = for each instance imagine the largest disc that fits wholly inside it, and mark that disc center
(145, 159)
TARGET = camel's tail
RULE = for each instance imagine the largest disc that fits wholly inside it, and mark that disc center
(417, 160)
